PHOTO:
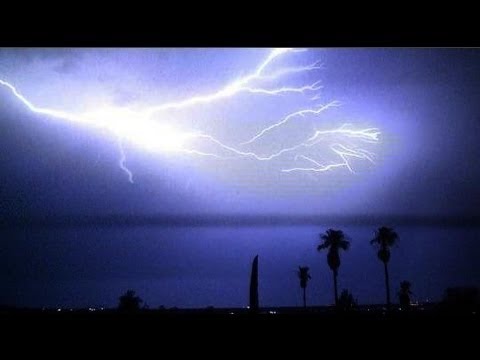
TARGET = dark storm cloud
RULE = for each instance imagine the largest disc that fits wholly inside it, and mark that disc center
(62, 61)
(394, 68)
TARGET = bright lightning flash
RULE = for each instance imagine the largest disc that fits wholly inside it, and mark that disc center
(140, 129)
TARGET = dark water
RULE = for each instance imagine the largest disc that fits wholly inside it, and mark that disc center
(198, 267)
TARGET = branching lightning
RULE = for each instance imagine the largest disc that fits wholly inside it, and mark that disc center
(142, 129)
(240, 85)
(291, 116)
(342, 151)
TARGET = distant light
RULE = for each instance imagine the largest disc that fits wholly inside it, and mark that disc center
(91, 309)
(59, 309)
(272, 312)
(232, 313)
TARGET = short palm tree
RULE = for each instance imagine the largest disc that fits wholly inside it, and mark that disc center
(384, 239)
(334, 241)
(304, 276)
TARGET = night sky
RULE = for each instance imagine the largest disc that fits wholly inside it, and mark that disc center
(425, 104)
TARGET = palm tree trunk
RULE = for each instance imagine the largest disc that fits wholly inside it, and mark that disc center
(335, 287)
(387, 283)
(254, 286)
(304, 297)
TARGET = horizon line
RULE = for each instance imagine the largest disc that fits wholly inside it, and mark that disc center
(235, 220)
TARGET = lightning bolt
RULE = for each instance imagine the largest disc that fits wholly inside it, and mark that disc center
(291, 70)
(240, 85)
(139, 127)
(122, 161)
(342, 151)
(291, 116)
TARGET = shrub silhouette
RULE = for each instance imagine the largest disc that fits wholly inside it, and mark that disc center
(404, 294)
(129, 302)
(347, 301)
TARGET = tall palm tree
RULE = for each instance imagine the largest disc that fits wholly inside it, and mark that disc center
(384, 239)
(304, 276)
(334, 241)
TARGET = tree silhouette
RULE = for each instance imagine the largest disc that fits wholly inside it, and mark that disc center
(384, 239)
(334, 240)
(129, 302)
(346, 301)
(304, 276)
(404, 294)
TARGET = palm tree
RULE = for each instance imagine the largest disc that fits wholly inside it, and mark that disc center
(304, 276)
(334, 240)
(384, 239)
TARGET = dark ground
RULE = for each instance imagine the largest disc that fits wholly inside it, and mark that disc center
(246, 335)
